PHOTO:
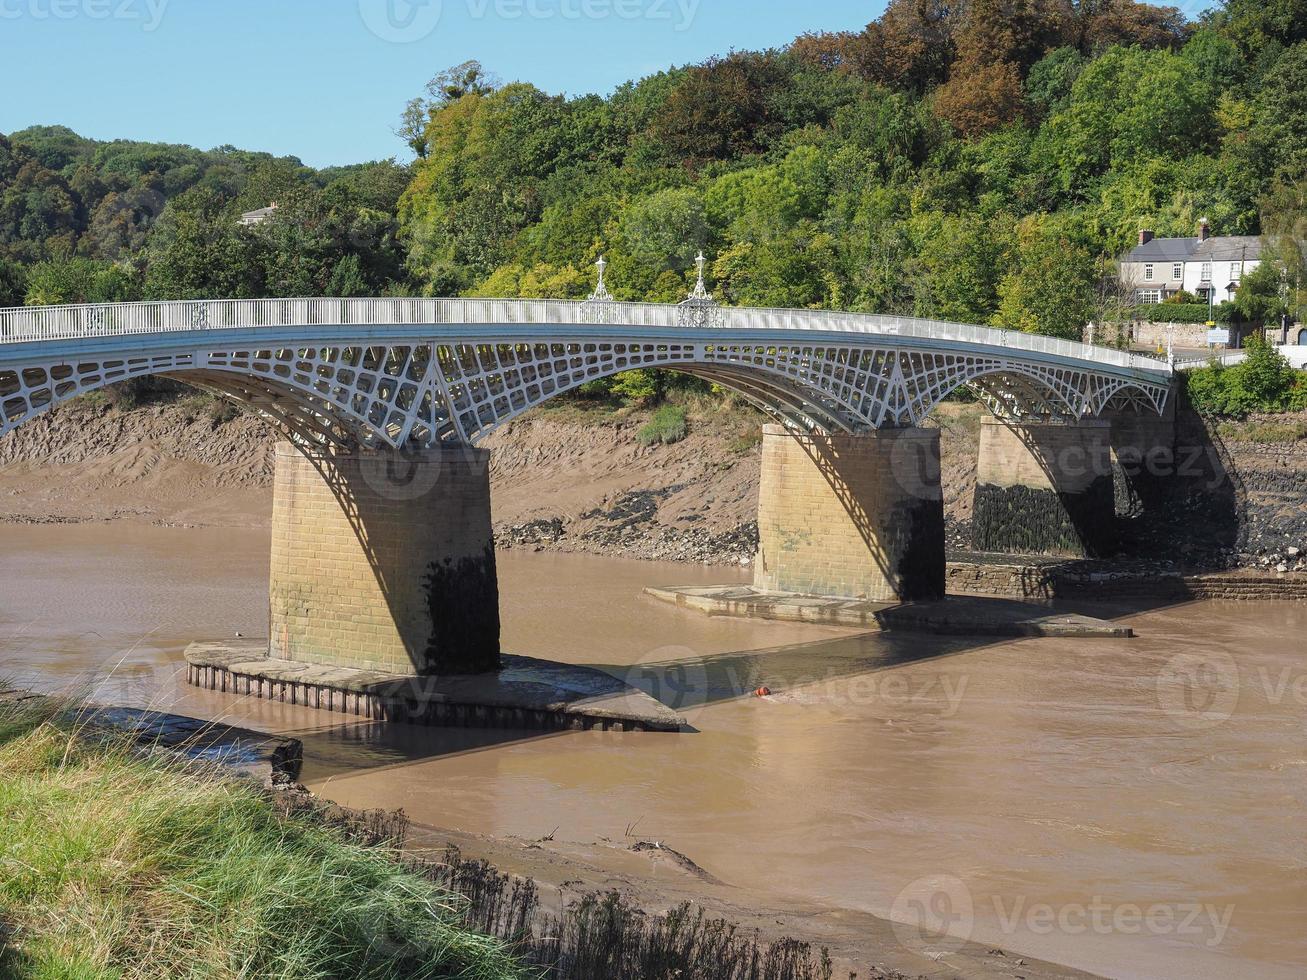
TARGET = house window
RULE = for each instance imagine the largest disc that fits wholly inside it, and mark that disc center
(1177, 271)
(1150, 297)
(1236, 273)
(1207, 272)
(1148, 272)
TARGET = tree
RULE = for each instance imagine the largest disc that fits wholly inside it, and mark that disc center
(981, 98)
(1258, 25)
(197, 251)
(910, 48)
(1049, 83)
(1278, 134)
(1052, 284)
(78, 280)
(1127, 106)
(662, 231)
(13, 283)
(1262, 294)
(468, 78)
(1100, 24)
(721, 109)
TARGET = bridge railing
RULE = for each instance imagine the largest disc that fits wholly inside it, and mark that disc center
(44, 323)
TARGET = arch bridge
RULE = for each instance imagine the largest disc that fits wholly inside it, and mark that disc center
(364, 388)
(398, 372)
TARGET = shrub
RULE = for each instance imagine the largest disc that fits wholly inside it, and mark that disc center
(637, 387)
(1263, 382)
(666, 427)
(1169, 312)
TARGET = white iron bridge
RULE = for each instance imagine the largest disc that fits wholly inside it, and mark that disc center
(425, 371)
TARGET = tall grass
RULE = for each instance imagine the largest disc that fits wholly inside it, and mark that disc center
(667, 426)
(115, 865)
(124, 865)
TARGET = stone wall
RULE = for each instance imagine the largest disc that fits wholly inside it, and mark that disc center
(1146, 334)
(851, 515)
(384, 561)
(1084, 581)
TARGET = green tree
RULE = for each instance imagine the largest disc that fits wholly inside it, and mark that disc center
(1127, 106)
(1051, 286)
(13, 283)
(78, 280)
(197, 251)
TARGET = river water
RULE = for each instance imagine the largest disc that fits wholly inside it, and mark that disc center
(1136, 808)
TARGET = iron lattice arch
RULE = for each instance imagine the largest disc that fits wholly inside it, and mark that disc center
(460, 390)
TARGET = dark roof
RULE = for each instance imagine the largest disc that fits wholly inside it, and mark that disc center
(1163, 250)
(1221, 248)
(1229, 248)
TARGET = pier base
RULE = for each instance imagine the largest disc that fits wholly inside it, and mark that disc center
(858, 516)
(384, 560)
(1044, 488)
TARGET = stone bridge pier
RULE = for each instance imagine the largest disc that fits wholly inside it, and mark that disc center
(383, 560)
(857, 515)
(1045, 488)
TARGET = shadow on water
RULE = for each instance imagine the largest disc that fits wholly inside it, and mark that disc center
(685, 685)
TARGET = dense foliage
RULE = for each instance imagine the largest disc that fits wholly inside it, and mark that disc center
(1263, 382)
(983, 162)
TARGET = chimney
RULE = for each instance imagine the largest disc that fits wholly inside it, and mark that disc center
(1145, 236)
(1204, 229)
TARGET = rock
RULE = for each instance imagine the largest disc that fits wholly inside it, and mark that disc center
(1294, 552)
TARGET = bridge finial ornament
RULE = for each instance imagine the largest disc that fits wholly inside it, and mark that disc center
(700, 309)
(599, 306)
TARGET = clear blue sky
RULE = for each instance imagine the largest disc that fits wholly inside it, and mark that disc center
(326, 80)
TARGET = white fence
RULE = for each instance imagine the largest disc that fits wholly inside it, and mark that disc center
(44, 323)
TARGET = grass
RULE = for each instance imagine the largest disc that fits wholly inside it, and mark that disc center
(1264, 431)
(667, 426)
(114, 865)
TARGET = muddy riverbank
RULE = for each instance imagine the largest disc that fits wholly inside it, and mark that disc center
(573, 478)
(997, 782)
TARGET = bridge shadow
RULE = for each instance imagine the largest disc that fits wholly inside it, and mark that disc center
(424, 531)
(686, 685)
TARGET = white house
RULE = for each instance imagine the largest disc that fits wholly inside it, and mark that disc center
(1207, 266)
(251, 218)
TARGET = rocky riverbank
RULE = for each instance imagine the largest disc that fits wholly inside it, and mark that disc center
(573, 477)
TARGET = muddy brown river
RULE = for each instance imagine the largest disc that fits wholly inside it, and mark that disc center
(1135, 808)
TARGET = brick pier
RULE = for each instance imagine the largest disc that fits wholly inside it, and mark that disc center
(860, 516)
(384, 560)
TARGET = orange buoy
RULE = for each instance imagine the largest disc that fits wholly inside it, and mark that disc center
(762, 692)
